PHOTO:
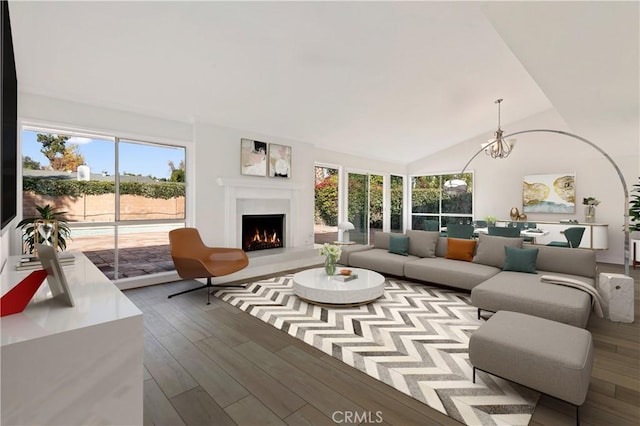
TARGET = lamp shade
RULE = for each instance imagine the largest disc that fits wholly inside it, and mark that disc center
(346, 226)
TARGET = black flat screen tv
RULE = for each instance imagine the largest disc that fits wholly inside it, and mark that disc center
(9, 134)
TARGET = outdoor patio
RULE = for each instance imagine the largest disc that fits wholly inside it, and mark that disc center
(134, 259)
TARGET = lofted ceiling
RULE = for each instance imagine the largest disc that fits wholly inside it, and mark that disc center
(386, 80)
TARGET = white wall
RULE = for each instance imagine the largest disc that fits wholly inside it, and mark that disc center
(352, 162)
(498, 183)
(218, 156)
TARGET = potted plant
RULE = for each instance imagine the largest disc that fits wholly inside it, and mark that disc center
(47, 213)
(491, 220)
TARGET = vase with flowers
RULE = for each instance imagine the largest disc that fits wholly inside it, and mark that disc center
(590, 204)
(331, 253)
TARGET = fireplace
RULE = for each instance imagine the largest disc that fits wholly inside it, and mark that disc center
(262, 231)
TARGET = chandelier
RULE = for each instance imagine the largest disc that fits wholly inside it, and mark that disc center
(498, 147)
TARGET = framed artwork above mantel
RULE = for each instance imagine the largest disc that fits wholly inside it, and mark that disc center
(549, 193)
(253, 157)
(279, 161)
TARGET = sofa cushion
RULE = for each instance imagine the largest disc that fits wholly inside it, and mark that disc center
(459, 249)
(453, 273)
(525, 293)
(380, 260)
(399, 244)
(351, 248)
(567, 261)
(441, 247)
(491, 249)
(423, 243)
(520, 259)
(381, 240)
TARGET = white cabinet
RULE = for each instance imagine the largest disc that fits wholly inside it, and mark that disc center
(72, 365)
(596, 235)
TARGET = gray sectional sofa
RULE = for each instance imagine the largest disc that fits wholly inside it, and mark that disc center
(492, 288)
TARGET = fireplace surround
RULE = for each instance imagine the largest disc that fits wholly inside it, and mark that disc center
(245, 196)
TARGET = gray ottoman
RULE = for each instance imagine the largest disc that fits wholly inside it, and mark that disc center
(548, 356)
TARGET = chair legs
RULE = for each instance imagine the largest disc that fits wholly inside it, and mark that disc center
(208, 286)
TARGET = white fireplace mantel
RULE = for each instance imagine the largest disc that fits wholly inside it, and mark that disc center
(259, 183)
(237, 190)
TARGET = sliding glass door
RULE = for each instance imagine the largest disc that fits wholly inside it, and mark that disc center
(121, 198)
(358, 206)
(327, 188)
(365, 205)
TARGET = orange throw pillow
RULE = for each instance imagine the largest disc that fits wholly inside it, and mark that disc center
(460, 249)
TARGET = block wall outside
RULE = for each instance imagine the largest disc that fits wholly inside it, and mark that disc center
(100, 208)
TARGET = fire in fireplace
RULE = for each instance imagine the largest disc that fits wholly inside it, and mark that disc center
(262, 231)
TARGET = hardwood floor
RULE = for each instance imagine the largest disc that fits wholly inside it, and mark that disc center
(216, 365)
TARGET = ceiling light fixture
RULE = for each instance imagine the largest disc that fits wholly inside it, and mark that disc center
(498, 147)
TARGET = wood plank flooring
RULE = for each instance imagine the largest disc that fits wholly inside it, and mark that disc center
(216, 365)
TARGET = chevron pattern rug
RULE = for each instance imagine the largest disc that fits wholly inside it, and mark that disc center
(414, 338)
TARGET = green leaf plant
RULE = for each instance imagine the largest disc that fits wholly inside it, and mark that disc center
(45, 213)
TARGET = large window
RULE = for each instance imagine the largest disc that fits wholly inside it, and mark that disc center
(432, 199)
(120, 197)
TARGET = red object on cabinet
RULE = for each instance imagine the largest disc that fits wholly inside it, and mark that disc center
(19, 296)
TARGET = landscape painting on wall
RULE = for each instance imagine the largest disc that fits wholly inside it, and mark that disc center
(253, 157)
(549, 193)
(279, 160)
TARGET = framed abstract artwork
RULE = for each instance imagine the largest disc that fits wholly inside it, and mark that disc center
(253, 157)
(279, 160)
(549, 193)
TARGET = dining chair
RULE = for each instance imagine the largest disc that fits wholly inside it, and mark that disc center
(193, 259)
(431, 225)
(504, 231)
(455, 230)
(523, 226)
(573, 236)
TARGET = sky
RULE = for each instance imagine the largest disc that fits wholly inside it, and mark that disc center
(99, 155)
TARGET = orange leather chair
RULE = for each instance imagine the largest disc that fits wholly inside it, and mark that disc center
(193, 259)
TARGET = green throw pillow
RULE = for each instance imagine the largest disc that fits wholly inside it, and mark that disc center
(520, 259)
(399, 244)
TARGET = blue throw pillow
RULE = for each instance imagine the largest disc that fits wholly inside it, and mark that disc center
(520, 259)
(399, 244)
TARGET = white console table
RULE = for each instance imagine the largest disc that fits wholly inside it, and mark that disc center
(596, 235)
(72, 365)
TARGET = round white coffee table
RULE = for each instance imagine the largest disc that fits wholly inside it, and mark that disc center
(315, 286)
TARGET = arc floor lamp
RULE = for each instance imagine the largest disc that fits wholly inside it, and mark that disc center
(501, 148)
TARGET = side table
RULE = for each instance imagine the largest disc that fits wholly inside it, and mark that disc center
(618, 295)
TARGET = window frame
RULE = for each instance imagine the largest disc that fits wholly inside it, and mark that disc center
(440, 214)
